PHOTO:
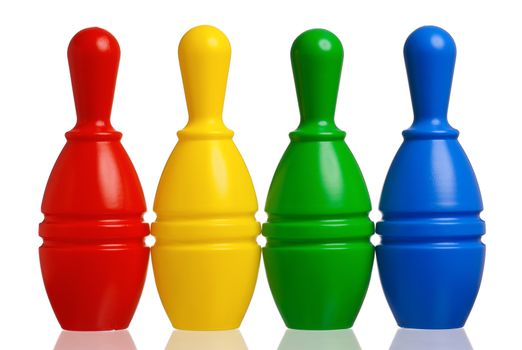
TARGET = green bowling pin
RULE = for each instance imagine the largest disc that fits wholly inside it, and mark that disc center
(318, 256)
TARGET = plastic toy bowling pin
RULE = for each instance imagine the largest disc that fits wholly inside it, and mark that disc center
(93, 258)
(318, 255)
(206, 257)
(431, 257)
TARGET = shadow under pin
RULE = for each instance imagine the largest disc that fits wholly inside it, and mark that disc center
(344, 339)
(206, 340)
(106, 340)
(415, 339)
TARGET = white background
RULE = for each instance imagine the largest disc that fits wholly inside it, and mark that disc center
(36, 108)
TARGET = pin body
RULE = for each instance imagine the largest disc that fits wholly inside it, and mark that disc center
(318, 256)
(431, 256)
(206, 257)
(93, 258)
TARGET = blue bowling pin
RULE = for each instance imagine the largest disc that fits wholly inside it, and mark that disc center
(431, 256)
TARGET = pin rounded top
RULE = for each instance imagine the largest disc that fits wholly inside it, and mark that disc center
(430, 39)
(204, 58)
(94, 55)
(317, 58)
(321, 43)
(429, 55)
(204, 39)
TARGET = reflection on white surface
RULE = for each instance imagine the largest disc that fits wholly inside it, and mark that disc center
(414, 339)
(319, 340)
(111, 340)
(215, 340)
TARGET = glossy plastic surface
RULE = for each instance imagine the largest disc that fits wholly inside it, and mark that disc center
(431, 257)
(93, 258)
(318, 256)
(206, 257)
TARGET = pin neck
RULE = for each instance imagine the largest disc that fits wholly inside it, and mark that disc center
(430, 127)
(429, 55)
(317, 129)
(98, 130)
(317, 57)
(204, 58)
(202, 128)
(94, 56)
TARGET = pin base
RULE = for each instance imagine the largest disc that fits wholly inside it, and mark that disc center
(206, 286)
(319, 286)
(92, 287)
(431, 285)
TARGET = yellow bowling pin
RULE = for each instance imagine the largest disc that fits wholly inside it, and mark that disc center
(206, 257)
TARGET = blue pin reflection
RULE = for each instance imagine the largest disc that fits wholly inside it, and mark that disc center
(415, 339)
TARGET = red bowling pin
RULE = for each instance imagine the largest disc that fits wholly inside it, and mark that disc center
(93, 258)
